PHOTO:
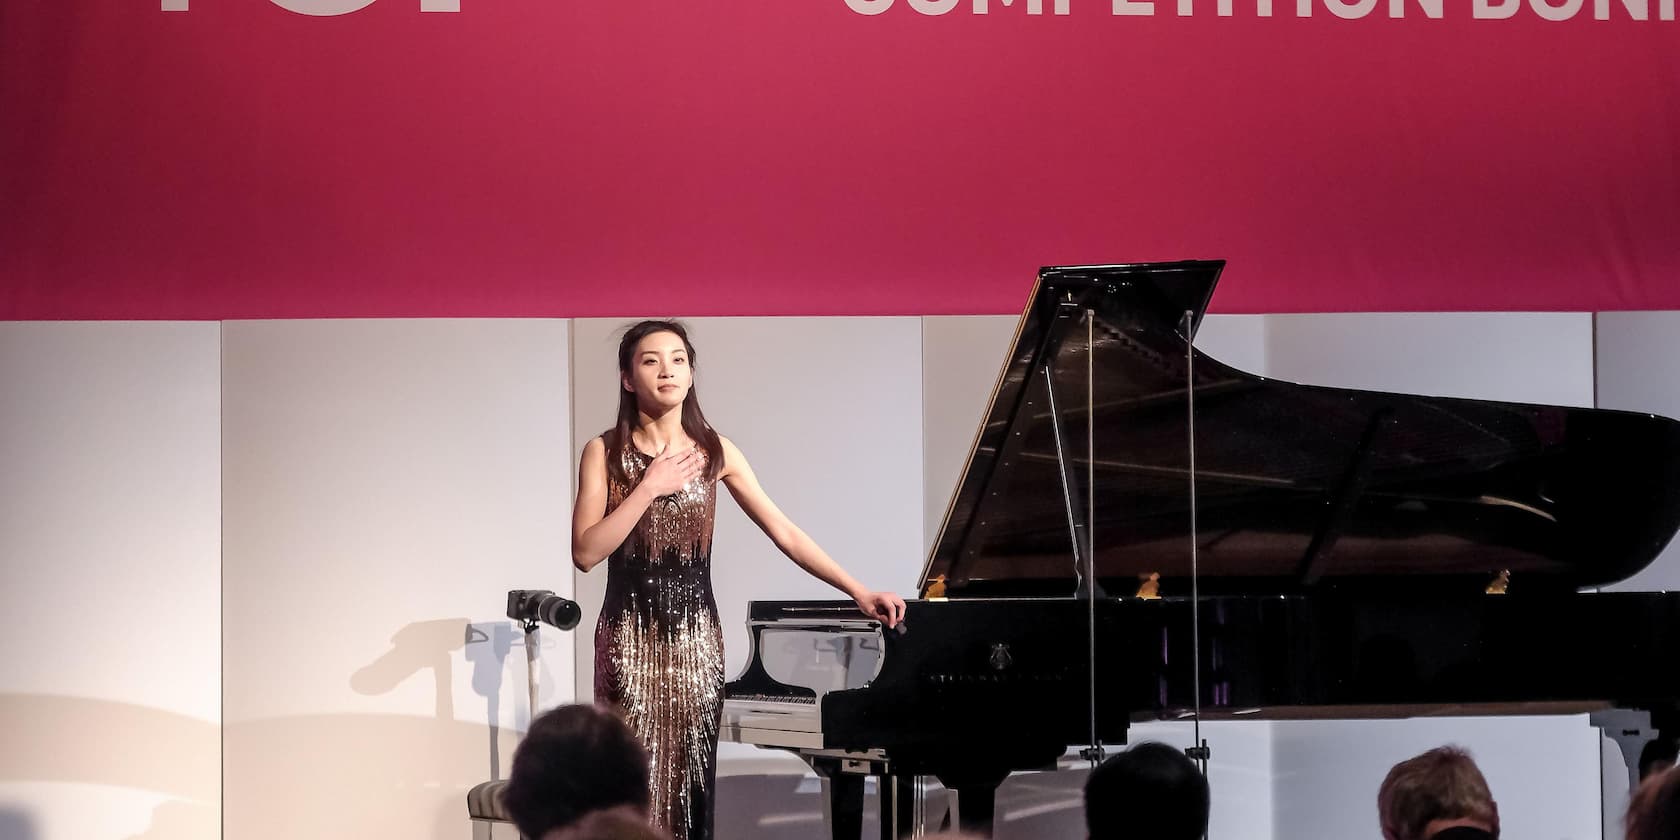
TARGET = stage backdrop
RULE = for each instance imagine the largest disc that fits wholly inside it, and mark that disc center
(286, 158)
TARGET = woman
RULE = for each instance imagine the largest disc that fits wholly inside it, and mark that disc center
(646, 497)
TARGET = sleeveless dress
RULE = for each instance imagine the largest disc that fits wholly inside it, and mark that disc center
(659, 647)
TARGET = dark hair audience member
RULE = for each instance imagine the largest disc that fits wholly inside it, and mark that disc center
(1149, 792)
(1439, 795)
(621, 823)
(1654, 813)
(1657, 756)
(574, 760)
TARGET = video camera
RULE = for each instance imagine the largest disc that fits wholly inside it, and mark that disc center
(529, 606)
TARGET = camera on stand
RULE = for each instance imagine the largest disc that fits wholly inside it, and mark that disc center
(529, 606)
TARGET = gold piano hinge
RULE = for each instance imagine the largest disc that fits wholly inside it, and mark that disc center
(1149, 586)
(935, 589)
(1500, 583)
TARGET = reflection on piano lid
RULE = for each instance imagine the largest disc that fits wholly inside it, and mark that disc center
(1299, 488)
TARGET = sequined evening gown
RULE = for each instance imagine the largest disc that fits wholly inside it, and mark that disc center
(659, 648)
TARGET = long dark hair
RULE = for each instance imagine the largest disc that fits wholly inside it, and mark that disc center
(694, 423)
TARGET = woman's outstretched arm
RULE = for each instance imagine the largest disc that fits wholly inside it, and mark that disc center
(738, 476)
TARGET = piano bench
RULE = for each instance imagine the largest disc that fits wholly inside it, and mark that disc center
(490, 821)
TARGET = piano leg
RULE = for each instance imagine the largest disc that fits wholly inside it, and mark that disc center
(842, 798)
(976, 792)
(898, 800)
(974, 808)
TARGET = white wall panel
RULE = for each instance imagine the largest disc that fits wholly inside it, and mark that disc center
(1538, 357)
(1236, 340)
(387, 483)
(962, 356)
(109, 554)
(1544, 771)
(1638, 366)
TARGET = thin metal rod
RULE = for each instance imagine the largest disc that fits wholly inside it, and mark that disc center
(892, 782)
(1082, 567)
(1091, 522)
(1195, 570)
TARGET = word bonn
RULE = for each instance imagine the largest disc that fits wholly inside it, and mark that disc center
(328, 8)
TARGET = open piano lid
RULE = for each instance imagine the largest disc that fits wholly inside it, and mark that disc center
(1299, 488)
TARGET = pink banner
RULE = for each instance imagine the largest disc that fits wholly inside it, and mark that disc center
(301, 158)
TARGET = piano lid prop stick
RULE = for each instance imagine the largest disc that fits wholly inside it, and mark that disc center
(1200, 752)
(1087, 586)
(1095, 746)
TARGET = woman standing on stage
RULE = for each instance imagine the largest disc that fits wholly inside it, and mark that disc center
(646, 499)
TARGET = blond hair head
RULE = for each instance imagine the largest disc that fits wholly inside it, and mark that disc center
(1440, 785)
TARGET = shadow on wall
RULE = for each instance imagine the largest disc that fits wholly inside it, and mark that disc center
(305, 776)
(340, 775)
(353, 776)
(51, 738)
(430, 646)
(16, 825)
(421, 646)
(182, 819)
(108, 743)
(373, 776)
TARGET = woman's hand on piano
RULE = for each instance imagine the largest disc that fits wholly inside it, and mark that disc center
(882, 606)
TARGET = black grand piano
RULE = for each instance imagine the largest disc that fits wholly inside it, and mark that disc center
(1144, 533)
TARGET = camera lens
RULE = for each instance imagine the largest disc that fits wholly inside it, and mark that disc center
(557, 611)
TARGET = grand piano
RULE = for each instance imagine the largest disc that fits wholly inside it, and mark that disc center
(1143, 533)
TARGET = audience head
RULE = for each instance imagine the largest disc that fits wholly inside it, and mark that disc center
(1654, 813)
(1439, 794)
(1657, 756)
(574, 760)
(621, 823)
(1149, 792)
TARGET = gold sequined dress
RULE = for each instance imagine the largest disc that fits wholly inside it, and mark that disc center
(659, 648)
